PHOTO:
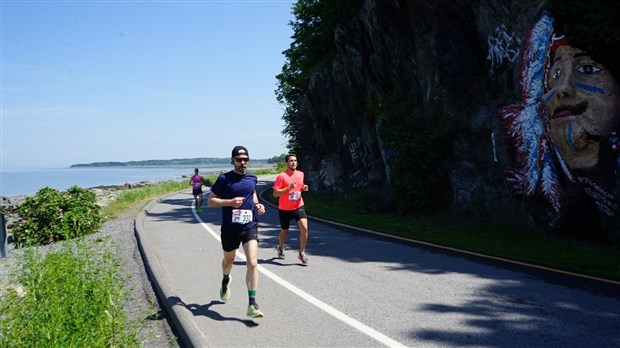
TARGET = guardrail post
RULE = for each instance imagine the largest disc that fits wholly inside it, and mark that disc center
(2, 236)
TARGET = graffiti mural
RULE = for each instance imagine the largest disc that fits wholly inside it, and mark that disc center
(502, 46)
(564, 129)
(524, 125)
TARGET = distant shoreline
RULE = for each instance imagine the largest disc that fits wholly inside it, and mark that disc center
(196, 162)
(30, 181)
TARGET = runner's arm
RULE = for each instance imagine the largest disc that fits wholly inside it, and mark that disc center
(216, 202)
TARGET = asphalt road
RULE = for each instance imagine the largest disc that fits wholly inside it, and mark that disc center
(362, 291)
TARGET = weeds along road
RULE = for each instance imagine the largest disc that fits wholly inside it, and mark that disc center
(359, 290)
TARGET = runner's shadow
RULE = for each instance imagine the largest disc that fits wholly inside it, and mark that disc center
(272, 261)
(277, 262)
(205, 310)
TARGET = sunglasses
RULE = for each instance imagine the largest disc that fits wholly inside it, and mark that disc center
(241, 159)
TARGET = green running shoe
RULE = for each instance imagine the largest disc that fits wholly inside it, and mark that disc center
(225, 291)
(254, 311)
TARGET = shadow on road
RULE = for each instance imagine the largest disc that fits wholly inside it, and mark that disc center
(206, 311)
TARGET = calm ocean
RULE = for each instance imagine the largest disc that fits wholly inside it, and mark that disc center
(14, 182)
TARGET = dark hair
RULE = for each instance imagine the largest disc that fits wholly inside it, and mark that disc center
(590, 25)
(289, 156)
(239, 150)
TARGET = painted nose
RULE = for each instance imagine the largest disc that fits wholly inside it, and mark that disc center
(564, 87)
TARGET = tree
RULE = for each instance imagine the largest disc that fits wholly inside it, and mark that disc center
(312, 44)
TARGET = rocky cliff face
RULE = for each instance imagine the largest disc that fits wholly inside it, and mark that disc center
(484, 67)
(459, 57)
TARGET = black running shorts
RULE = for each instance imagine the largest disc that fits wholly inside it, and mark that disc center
(287, 215)
(232, 240)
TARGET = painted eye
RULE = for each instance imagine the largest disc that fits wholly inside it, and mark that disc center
(556, 74)
(588, 69)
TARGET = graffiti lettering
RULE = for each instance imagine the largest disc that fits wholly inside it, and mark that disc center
(502, 46)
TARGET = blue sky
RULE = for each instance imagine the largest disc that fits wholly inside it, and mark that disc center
(90, 81)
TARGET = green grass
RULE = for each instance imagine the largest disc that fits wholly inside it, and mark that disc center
(70, 298)
(506, 241)
(261, 171)
(133, 200)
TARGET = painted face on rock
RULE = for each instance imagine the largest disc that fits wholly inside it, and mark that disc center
(583, 103)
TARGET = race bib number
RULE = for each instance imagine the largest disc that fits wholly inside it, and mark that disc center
(197, 184)
(241, 216)
(294, 196)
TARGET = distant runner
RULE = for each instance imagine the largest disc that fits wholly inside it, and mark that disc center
(196, 183)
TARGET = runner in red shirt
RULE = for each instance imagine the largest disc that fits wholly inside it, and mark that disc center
(288, 187)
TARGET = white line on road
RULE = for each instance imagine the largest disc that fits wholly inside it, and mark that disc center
(313, 300)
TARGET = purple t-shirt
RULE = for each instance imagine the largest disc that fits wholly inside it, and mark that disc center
(196, 182)
(230, 185)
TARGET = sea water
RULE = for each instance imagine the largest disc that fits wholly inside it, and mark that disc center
(14, 182)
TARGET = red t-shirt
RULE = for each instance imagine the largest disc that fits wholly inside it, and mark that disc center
(290, 200)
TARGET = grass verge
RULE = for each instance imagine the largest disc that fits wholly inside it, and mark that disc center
(506, 241)
(70, 298)
(131, 201)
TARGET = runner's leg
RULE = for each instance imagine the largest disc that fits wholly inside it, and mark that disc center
(303, 234)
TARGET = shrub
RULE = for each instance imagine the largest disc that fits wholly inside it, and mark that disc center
(52, 215)
(414, 152)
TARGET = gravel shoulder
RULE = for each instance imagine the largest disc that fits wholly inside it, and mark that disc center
(144, 303)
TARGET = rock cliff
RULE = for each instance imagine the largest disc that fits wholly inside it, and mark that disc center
(459, 57)
(533, 129)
